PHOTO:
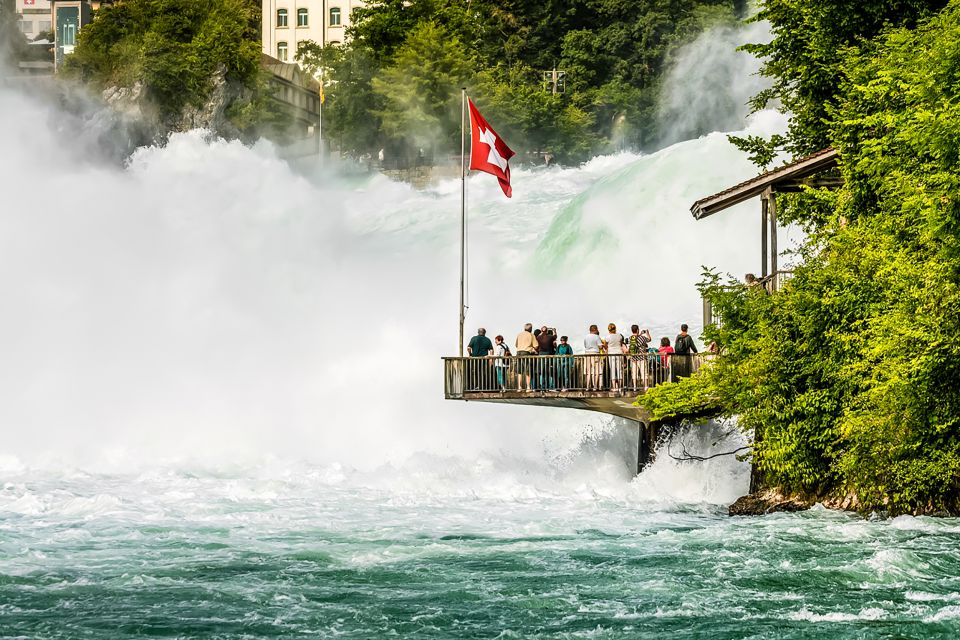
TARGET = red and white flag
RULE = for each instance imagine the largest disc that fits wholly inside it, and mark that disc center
(488, 153)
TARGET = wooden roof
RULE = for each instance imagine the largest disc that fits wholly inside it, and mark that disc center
(786, 178)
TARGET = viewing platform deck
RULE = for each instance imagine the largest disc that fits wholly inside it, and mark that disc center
(604, 383)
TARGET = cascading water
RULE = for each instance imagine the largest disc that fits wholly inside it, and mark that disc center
(221, 409)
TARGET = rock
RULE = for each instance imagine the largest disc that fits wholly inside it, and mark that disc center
(758, 504)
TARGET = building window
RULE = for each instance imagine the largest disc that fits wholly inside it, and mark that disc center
(302, 19)
(282, 51)
(44, 26)
(335, 17)
(26, 26)
(281, 17)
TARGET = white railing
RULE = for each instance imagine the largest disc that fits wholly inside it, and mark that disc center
(602, 374)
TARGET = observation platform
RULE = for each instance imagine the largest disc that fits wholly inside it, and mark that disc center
(602, 383)
(605, 383)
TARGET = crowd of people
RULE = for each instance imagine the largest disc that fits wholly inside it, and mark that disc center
(633, 356)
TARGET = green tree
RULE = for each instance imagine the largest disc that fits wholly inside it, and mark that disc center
(173, 47)
(848, 376)
(421, 89)
(806, 57)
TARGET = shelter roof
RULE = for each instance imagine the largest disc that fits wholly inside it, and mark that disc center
(786, 178)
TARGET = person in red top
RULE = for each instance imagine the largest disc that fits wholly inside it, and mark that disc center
(665, 352)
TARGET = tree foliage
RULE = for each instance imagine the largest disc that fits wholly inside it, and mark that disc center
(613, 52)
(849, 375)
(173, 47)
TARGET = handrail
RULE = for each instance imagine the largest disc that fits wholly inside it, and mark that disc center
(627, 375)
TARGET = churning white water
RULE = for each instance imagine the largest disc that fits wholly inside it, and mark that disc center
(206, 302)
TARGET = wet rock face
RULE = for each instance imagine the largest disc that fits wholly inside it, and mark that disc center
(758, 504)
(133, 104)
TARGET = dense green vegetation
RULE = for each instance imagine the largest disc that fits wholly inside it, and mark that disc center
(850, 376)
(174, 48)
(396, 84)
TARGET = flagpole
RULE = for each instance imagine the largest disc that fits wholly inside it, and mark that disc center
(463, 208)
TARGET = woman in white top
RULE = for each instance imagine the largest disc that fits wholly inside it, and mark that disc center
(591, 348)
(615, 351)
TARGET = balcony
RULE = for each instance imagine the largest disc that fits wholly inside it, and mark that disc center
(604, 383)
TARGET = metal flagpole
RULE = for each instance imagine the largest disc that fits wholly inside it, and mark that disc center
(463, 207)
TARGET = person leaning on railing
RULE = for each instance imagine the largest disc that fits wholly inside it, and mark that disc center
(685, 348)
(502, 352)
(615, 350)
(478, 370)
(566, 363)
(637, 345)
(526, 345)
(592, 344)
(546, 346)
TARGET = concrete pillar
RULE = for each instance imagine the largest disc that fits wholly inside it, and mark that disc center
(646, 442)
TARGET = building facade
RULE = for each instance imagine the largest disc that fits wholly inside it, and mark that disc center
(287, 23)
(34, 18)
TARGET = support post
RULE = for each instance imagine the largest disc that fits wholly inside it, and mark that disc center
(646, 441)
(772, 213)
(764, 207)
(756, 477)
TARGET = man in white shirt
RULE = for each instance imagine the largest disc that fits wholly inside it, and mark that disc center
(594, 361)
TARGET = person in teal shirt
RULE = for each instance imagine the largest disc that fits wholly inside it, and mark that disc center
(566, 364)
(477, 374)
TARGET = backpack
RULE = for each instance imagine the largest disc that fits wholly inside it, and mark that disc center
(506, 350)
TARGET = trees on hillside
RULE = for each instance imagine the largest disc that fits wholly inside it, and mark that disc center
(172, 47)
(613, 53)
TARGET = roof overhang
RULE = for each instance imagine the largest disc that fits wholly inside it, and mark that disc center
(790, 177)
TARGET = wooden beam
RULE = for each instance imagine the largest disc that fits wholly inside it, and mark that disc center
(790, 176)
(772, 212)
(764, 206)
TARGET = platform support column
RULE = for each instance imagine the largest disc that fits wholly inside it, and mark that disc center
(646, 441)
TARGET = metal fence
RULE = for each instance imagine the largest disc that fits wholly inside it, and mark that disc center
(627, 374)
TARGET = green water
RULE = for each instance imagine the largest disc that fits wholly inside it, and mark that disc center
(313, 554)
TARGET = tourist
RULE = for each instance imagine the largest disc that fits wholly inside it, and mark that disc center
(591, 348)
(526, 346)
(502, 352)
(480, 345)
(666, 356)
(566, 363)
(685, 348)
(637, 345)
(478, 371)
(546, 346)
(615, 350)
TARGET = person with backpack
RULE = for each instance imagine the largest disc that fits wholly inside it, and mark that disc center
(502, 352)
(685, 348)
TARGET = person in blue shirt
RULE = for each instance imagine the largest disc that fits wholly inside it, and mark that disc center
(566, 364)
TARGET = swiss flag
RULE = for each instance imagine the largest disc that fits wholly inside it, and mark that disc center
(488, 153)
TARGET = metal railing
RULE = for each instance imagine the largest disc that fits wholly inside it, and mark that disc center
(625, 374)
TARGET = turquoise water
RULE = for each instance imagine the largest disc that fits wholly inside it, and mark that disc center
(324, 552)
